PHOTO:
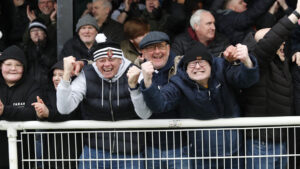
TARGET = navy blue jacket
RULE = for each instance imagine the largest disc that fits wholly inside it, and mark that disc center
(237, 25)
(195, 101)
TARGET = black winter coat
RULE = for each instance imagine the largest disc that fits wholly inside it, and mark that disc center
(17, 107)
(75, 47)
(273, 94)
(184, 41)
(237, 25)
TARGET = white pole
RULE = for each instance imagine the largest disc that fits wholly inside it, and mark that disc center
(12, 148)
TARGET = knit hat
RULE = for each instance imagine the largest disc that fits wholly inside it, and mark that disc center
(86, 20)
(197, 52)
(58, 65)
(106, 48)
(13, 52)
(37, 23)
(154, 37)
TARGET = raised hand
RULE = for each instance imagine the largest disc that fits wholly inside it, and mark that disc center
(1, 108)
(40, 108)
(147, 70)
(133, 76)
(30, 14)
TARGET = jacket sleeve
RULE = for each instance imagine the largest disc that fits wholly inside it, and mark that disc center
(248, 18)
(242, 77)
(267, 47)
(66, 50)
(161, 100)
(26, 113)
(139, 104)
(70, 95)
(296, 81)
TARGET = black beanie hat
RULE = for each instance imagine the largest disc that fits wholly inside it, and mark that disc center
(197, 52)
(13, 52)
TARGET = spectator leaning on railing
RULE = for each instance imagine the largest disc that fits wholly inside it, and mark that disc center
(101, 89)
(17, 92)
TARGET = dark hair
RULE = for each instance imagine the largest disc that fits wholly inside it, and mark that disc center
(136, 27)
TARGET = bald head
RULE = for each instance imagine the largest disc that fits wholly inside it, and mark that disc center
(261, 33)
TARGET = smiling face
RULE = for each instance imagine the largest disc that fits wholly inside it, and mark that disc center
(151, 4)
(108, 67)
(57, 76)
(199, 71)
(87, 34)
(46, 6)
(12, 71)
(157, 53)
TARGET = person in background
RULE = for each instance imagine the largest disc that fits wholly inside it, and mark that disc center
(40, 52)
(202, 29)
(128, 9)
(236, 19)
(135, 30)
(83, 43)
(172, 22)
(113, 30)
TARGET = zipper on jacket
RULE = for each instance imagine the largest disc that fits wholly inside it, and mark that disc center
(209, 97)
(112, 115)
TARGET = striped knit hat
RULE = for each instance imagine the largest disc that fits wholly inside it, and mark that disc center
(37, 23)
(106, 49)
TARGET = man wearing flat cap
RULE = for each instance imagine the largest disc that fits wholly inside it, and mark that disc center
(159, 58)
(203, 89)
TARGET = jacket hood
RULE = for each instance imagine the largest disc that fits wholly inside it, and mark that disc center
(122, 69)
(14, 52)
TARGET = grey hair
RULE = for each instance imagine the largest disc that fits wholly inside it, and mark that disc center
(196, 17)
(105, 3)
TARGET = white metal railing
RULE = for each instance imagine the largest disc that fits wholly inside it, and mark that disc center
(168, 125)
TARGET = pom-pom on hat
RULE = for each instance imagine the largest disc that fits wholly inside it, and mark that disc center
(106, 48)
(154, 37)
(197, 52)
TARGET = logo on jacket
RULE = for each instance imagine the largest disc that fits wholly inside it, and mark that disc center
(19, 104)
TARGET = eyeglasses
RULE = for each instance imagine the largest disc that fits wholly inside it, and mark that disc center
(36, 30)
(201, 63)
(160, 46)
(10, 65)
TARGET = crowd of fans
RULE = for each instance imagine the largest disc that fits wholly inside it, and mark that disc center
(154, 59)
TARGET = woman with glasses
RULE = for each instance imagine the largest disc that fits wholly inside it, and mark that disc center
(203, 88)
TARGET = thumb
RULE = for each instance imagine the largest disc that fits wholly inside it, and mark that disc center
(39, 100)
(294, 58)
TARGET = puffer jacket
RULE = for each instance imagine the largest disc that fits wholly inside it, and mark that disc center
(273, 94)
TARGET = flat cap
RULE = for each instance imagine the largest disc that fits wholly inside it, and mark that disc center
(154, 37)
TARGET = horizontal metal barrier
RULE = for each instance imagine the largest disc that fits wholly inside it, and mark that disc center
(239, 143)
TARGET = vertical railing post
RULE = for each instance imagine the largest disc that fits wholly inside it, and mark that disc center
(12, 148)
